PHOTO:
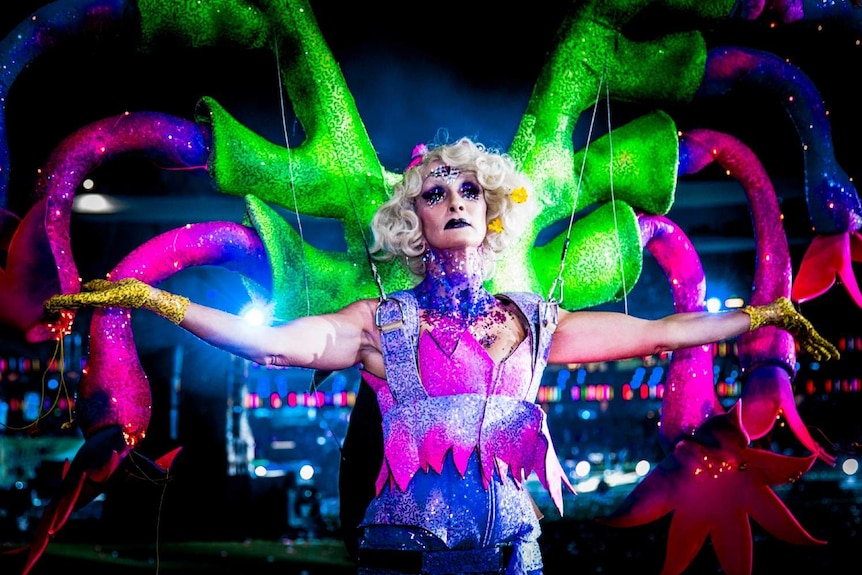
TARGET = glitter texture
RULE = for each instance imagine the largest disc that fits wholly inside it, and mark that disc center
(468, 439)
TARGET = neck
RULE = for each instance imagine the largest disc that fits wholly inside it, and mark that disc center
(453, 284)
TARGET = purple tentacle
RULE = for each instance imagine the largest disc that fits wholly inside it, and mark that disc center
(172, 142)
(44, 30)
(113, 368)
(833, 204)
(785, 10)
(30, 275)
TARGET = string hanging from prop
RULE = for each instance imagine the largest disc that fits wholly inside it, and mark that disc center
(558, 283)
(613, 196)
(291, 182)
(319, 376)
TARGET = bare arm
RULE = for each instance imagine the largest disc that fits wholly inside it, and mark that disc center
(332, 341)
(588, 336)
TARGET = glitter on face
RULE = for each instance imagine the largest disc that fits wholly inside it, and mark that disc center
(449, 173)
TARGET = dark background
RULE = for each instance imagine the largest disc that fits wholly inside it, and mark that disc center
(466, 67)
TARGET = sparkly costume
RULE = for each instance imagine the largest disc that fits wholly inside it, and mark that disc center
(461, 436)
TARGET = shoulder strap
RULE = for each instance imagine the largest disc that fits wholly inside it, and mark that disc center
(398, 321)
(542, 317)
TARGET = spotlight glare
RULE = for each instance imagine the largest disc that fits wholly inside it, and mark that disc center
(95, 204)
(254, 315)
(642, 467)
(306, 472)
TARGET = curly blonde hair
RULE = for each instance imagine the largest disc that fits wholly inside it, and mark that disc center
(398, 231)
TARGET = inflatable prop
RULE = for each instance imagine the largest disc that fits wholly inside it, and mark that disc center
(624, 181)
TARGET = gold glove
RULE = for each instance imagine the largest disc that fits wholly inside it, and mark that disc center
(781, 313)
(128, 293)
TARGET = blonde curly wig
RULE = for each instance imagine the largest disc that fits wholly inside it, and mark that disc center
(398, 231)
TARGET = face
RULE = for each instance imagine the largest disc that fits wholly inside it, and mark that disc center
(451, 208)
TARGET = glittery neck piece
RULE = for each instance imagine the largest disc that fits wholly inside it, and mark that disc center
(453, 285)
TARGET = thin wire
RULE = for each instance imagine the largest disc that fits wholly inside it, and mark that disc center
(559, 281)
(613, 197)
(313, 385)
(292, 183)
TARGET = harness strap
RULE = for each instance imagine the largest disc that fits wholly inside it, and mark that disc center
(542, 319)
(397, 318)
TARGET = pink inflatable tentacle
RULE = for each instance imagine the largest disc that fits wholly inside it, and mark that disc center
(113, 368)
(30, 276)
(772, 272)
(173, 142)
(114, 391)
(834, 206)
(768, 355)
(689, 396)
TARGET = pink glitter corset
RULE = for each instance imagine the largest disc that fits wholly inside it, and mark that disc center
(470, 404)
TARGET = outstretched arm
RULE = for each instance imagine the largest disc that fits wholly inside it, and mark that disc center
(333, 341)
(603, 336)
(588, 336)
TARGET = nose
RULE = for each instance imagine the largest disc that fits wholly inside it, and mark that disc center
(456, 203)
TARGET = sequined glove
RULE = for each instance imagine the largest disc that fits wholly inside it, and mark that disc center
(781, 313)
(128, 293)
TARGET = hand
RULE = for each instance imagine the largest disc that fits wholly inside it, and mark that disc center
(128, 293)
(781, 313)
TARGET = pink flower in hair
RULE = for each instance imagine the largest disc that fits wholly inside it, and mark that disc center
(419, 152)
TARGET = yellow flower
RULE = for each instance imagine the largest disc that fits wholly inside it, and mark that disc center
(495, 225)
(519, 195)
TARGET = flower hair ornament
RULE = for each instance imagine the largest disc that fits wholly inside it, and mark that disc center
(496, 225)
(419, 153)
(519, 195)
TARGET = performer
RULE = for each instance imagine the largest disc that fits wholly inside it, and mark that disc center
(455, 369)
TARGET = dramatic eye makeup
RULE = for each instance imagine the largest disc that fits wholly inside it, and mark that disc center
(433, 196)
(470, 191)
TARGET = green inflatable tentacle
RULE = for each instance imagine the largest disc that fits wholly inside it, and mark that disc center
(591, 49)
(335, 173)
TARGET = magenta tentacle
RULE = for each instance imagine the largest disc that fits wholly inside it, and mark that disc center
(114, 400)
(689, 396)
(30, 276)
(767, 356)
(172, 142)
(785, 10)
(113, 367)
